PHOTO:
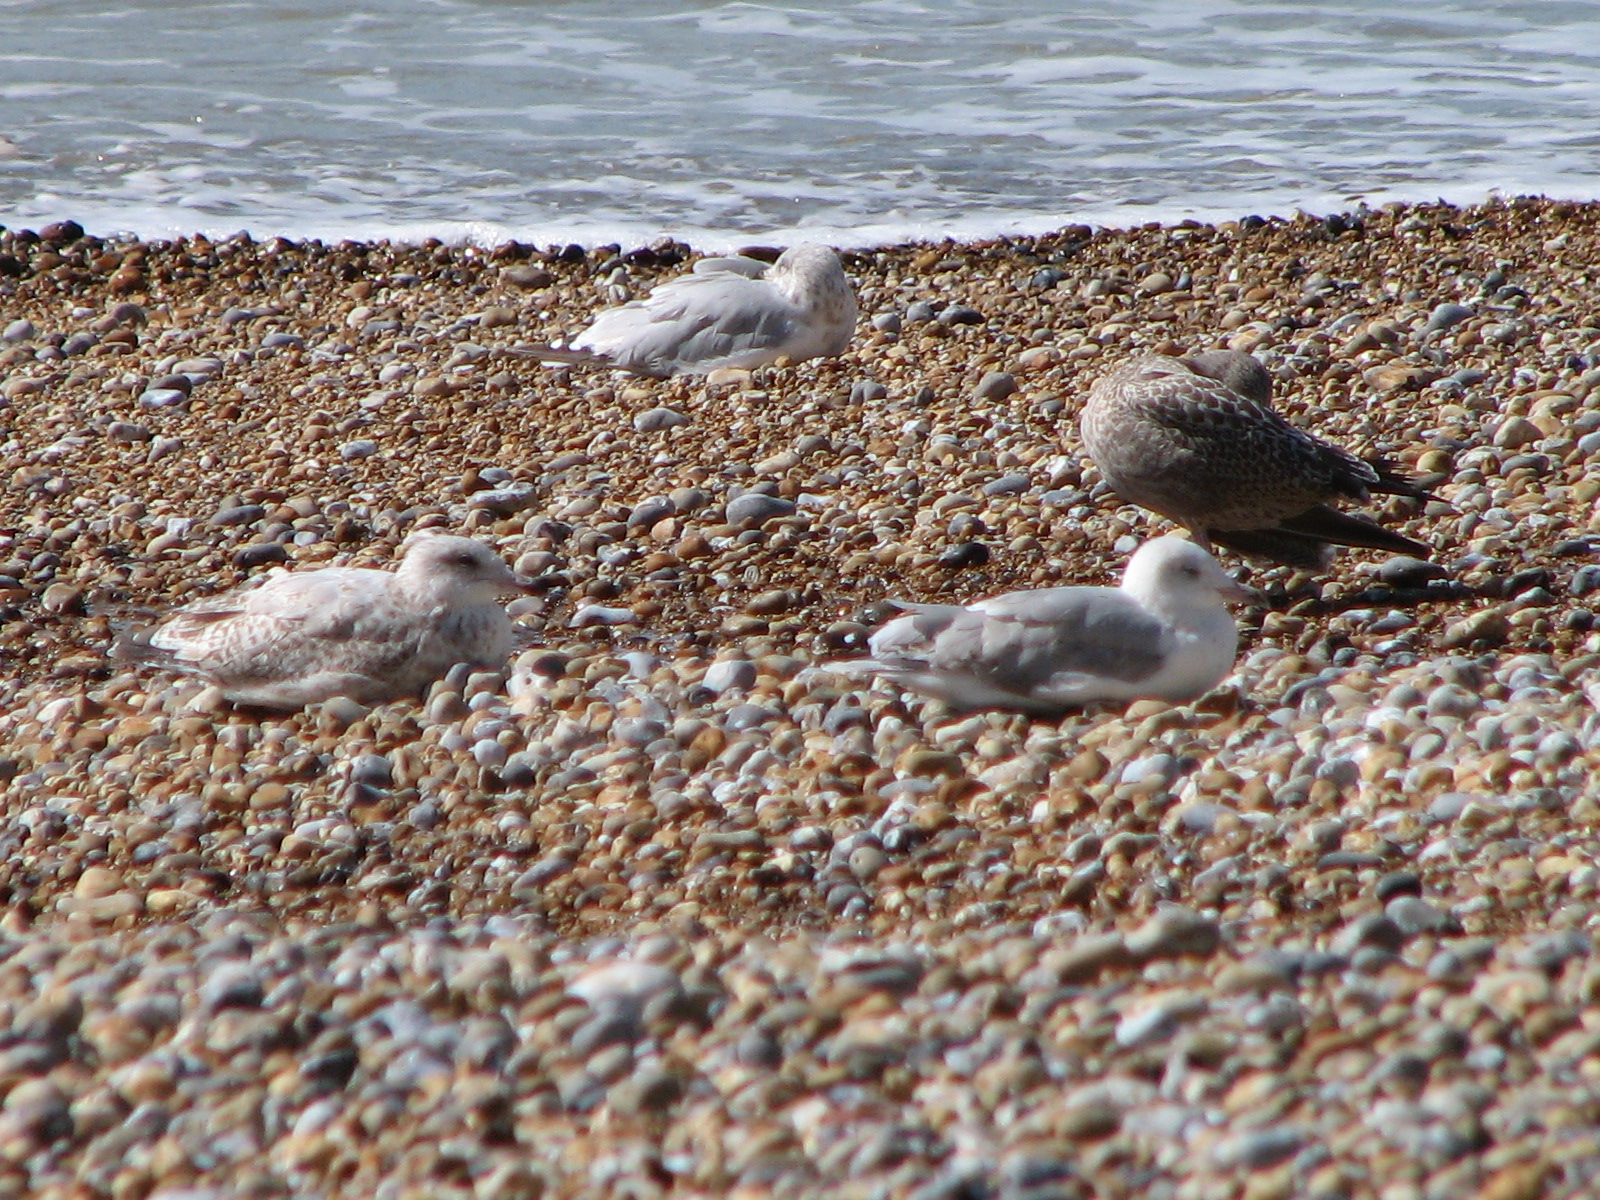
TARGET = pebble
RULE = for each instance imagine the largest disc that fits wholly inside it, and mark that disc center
(1446, 316)
(1515, 432)
(1489, 626)
(959, 314)
(995, 385)
(163, 398)
(662, 886)
(600, 614)
(656, 419)
(727, 674)
(758, 508)
(1404, 571)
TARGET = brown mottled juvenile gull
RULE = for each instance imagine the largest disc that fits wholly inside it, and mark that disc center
(372, 635)
(729, 312)
(1197, 440)
(1164, 633)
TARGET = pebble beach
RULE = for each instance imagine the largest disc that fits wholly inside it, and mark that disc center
(662, 910)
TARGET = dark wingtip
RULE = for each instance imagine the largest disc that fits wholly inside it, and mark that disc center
(1305, 540)
(1393, 482)
(1352, 529)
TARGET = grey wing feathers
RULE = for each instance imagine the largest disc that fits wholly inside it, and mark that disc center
(750, 268)
(1023, 641)
(696, 322)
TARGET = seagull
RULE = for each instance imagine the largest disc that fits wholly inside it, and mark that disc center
(1197, 440)
(371, 635)
(728, 312)
(1164, 634)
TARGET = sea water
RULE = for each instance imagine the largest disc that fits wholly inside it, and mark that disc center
(858, 123)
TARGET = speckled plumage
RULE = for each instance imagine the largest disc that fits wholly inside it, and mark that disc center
(1197, 440)
(301, 637)
(729, 312)
(1163, 633)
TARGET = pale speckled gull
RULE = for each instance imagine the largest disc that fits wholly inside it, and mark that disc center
(729, 312)
(1197, 440)
(372, 635)
(1165, 633)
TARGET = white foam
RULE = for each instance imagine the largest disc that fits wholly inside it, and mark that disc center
(742, 124)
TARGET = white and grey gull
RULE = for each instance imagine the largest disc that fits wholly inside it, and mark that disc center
(1164, 633)
(299, 637)
(727, 312)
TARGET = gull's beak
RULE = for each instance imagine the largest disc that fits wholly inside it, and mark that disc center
(540, 583)
(1237, 591)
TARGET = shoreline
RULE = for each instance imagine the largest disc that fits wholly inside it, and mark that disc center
(863, 238)
(635, 922)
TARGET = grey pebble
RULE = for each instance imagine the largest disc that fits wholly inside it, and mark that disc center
(232, 985)
(960, 314)
(1446, 316)
(243, 514)
(964, 555)
(657, 419)
(1414, 915)
(648, 512)
(728, 673)
(1258, 1149)
(1008, 485)
(505, 501)
(162, 398)
(544, 871)
(1552, 951)
(1404, 571)
(600, 614)
(747, 716)
(995, 385)
(373, 770)
(1202, 817)
(1449, 806)
(1399, 883)
(259, 554)
(757, 507)
(1173, 931)
(1372, 930)
(1154, 766)
(125, 431)
(199, 370)
(343, 711)
(1585, 580)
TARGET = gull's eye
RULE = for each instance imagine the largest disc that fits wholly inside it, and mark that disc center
(466, 559)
